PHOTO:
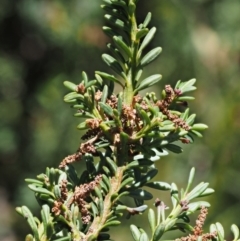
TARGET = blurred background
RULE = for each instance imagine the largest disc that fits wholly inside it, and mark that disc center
(43, 43)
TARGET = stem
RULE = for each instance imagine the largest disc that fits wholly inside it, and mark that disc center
(99, 221)
(128, 91)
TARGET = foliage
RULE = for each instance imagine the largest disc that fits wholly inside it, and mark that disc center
(126, 133)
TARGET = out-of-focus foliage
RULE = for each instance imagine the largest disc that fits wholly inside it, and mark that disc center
(43, 43)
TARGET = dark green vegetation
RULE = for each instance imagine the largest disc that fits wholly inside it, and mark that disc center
(43, 43)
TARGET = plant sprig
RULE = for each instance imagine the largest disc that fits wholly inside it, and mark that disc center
(125, 134)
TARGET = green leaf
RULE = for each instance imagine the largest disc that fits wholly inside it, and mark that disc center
(71, 86)
(138, 163)
(63, 176)
(99, 79)
(197, 191)
(119, 3)
(29, 237)
(78, 107)
(213, 228)
(147, 39)
(116, 22)
(85, 78)
(45, 198)
(123, 48)
(174, 148)
(116, 117)
(19, 211)
(106, 181)
(152, 219)
(169, 127)
(104, 187)
(235, 231)
(190, 180)
(141, 33)
(75, 213)
(192, 207)
(45, 214)
(52, 175)
(177, 84)
(113, 63)
(111, 164)
(220, 231)
(150, 56)
(190, 119)
(170, 224)
(98, 192)
(140, 208)
(126, 182)
(207, 192)
(106, 108)
(158, 232)
(68, 238)
(72, 174)
(94, 209)
(57, 191)
(199, 127)
(119, 104)
(135, 232)
(90, 83)
(147, 20)
(83, 126)
(149, 81)
(109, 31)
(73, 96)
(147, 177)
(141, 194)
(40, 190)
(174, 194)
(187, 86)
(109, 77)
(111, 224)
(48, 224)
(163, 186)
(184, 226)
(196, 133)
(185, 98)
(106, 170)
(121, 57)
(138, 75)
(185, 114)
(34, 181)
(143, 115)
(103, 236)
(115, 196)
(184, 133)
(117, 13)
(31, 221)
(131, 8)
(144, 237)
(120, 208)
